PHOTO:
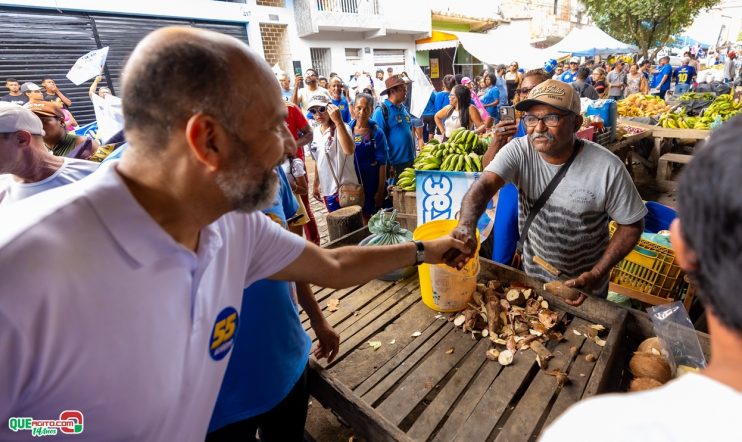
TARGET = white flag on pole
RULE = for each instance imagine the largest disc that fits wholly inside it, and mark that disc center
(88, 66)
(421, 90)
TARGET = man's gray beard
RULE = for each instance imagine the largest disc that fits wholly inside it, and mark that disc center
(246, 195)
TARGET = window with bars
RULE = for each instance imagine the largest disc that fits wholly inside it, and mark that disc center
(321, 60)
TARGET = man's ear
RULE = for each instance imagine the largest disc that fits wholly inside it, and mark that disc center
(23, 138)
(201, 135)
(687, 259)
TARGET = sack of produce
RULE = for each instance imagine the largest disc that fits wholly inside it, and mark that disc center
(385, 230)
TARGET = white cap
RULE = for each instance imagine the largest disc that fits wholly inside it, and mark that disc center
(14, 118)
(320, 99)
(575, 60)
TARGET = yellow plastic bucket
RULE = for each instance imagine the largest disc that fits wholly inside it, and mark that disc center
(444, 288)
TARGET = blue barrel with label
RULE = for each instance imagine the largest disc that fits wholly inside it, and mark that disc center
(608, 111)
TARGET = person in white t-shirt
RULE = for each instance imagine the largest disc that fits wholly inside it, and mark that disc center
(27, 167)
(333, 151)
(108, 112)
(303, 95)
(707, 240)
(120, 294)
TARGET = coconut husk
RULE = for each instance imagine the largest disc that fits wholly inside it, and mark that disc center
(649, 365)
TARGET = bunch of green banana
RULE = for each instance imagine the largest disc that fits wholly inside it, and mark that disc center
(406, 180)
(470, 162)
(427, 162)
(724, 106)
(697, 96)
(468, 140)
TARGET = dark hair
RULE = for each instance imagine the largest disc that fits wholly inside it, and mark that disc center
(449, 81)
(458, 78)
(583, 73)
(47, 77)
(368, 97)
(710, 209)
(333, 74)
(380, 71)
(12, 80)
(161, 90)
(542, 76)
(463, 100)
(645, 62)
(492, 77)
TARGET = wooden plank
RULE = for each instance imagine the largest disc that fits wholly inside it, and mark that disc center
(579, 373)
(365, 420)
(370, 311)
(607, 357)
(400, 358)
(488, 411)
(689, 134)
(362, 330)
(396, 335)
(523, 422)
(411, 391)
(476, 367)
(375, 391)
(351, 300)
(640, 296)
(677, 158)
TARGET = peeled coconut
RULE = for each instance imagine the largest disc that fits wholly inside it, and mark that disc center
(650, 343)
(650, 365)
(641, 384)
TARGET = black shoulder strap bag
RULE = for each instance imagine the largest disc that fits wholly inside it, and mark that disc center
(545, 195)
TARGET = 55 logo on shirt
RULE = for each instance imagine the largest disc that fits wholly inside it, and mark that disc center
(222, 335)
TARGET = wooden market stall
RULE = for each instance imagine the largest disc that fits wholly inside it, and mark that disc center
(426, 380)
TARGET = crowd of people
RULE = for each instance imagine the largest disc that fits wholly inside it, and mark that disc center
(188, 325)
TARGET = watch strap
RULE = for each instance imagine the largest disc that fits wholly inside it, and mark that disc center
(420, 254)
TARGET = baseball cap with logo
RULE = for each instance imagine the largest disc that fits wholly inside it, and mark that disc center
(553, 93)
(574, 60)
(14, 118)
(319, 99)
(29, 86)
(44, 109)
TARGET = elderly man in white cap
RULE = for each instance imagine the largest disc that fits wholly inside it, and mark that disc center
(571, 75)
(27, 167)
(568, 190)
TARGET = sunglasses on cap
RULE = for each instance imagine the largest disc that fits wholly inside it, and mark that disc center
(318, 110)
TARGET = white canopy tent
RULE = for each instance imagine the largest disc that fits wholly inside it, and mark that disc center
(502, 46)
(590, 41)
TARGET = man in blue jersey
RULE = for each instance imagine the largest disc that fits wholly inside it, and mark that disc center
(684, 77)
(661, 77)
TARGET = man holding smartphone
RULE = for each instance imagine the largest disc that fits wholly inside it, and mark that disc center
(302, 95)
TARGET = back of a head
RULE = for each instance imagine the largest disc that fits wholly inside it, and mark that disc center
(458, 78)
(583, 73)
(539, 74)
(449, 81)
(163, 82)
(710, 210)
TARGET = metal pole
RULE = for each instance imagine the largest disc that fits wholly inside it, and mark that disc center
(453, 61)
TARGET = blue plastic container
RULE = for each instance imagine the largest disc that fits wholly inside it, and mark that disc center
(608, 111)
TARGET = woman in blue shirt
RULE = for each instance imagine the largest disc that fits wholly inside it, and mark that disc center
(371, 155)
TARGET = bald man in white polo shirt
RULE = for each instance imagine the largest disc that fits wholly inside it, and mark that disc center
(120, 294)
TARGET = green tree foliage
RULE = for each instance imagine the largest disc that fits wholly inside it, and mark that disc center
(648, 24)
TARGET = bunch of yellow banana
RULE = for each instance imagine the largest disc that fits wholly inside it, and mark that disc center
(672, 120)
(697, 96)
(406, 180)
(724, 106)
(640, 105)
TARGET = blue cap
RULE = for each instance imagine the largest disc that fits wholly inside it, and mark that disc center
(550, 66)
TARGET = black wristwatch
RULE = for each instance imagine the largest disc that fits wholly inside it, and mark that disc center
(420, 254)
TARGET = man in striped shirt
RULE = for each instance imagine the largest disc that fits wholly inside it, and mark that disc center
(571, 229)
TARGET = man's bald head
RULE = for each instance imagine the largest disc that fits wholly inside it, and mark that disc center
(175, 72)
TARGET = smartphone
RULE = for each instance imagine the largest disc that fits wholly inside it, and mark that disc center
(297, 67)
(507, 113)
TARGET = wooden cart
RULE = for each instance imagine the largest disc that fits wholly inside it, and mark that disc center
(414, 387)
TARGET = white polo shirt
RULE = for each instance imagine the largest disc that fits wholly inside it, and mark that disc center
(101, 311)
